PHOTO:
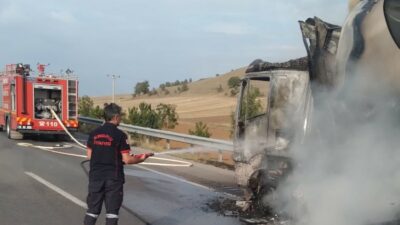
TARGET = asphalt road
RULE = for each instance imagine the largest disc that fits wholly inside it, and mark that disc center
(38, 187)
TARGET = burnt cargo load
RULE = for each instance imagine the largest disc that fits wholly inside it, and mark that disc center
(26, 101)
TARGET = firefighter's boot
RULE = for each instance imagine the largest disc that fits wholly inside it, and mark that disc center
(90, 219)
(111, 219)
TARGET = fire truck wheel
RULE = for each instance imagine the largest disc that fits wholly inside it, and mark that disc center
(12, 134)
(8, 128)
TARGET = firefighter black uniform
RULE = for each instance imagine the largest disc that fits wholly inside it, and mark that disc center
(106, 176)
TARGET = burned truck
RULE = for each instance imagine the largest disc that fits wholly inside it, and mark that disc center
(263, 137)
(337, 57)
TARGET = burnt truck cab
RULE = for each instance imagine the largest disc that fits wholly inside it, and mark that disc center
(268, 122)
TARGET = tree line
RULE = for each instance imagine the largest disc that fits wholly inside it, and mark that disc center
(163, 116)
(143, 88)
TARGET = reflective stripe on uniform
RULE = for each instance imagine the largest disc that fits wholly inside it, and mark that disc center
(112, 216)
(92, 215)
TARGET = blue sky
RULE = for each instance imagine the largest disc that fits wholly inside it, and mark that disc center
(156, 40)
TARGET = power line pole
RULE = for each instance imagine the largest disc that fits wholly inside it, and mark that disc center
(113, 77)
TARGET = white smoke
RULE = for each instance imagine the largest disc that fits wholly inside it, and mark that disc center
(348, 173)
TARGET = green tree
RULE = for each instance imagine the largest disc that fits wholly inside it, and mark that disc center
(168, 116)
(85, 105)
(164, 116)
(97, 112)
(142, 116)
(234, 92)
(184, 87)
(251, 106)
(234, 82)
(200, 130)
(86, 108)
(153, 92)
(142, 87)
(162, 87)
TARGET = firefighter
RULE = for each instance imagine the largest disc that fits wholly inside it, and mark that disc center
(108, 150)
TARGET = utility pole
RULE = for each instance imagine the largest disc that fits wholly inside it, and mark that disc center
(113, 77)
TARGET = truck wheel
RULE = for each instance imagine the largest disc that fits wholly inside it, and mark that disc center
(8, 128)
(12, 134)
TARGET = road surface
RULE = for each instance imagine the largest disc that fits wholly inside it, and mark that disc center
(38, 187)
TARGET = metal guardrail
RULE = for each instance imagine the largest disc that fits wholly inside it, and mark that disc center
(168, 135)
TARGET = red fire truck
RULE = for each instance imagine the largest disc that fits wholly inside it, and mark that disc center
(26, 101)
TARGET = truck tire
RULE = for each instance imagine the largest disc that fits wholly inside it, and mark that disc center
(12, 134)
(8, 128)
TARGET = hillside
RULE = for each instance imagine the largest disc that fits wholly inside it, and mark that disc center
(201, 102)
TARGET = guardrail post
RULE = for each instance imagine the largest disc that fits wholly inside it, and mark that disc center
(168, 145)
(219, 155)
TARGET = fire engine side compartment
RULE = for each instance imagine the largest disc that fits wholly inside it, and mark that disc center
(6, 100)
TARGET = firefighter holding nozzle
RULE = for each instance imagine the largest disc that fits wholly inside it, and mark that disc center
(108, 150)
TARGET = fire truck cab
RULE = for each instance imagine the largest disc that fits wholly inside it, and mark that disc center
(26, 101)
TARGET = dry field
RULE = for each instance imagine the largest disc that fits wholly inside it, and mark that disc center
(201, 102)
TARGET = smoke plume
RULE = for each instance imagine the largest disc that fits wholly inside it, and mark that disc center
(348, 171)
